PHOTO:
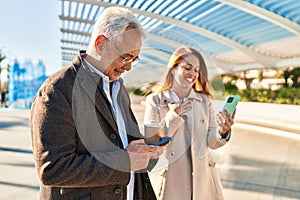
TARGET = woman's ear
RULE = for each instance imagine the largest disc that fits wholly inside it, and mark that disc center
(172, 72)
(99, 43)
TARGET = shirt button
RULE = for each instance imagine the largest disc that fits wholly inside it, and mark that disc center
(172, 153)
(203, 121)
(113, 136)
(117, 191)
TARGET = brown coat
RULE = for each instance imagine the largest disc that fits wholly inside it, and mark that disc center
(186, 170)
(77, 149)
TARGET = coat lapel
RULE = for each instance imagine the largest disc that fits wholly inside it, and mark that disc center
(91, 84)
(194, 96)
(131, 124)
(166, 97)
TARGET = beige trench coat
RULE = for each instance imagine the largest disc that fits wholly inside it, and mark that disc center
(185, 170)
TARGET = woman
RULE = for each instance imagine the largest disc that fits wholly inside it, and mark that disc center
(183, 105)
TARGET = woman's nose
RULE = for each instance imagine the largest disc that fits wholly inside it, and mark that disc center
(193, 73)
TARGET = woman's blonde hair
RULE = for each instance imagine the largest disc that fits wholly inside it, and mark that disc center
(202, 84)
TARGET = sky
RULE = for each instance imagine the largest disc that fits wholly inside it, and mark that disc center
(31, 30)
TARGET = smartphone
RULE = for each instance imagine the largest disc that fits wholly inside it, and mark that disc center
(164, 141)
(231, 102)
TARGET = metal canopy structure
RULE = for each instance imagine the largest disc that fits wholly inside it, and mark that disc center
(234, 35)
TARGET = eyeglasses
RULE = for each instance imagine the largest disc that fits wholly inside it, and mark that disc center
(126, 58)
(188, 67)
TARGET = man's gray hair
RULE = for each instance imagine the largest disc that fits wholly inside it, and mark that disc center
(112, 22)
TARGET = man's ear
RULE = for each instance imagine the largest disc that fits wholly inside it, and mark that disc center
(99, 43)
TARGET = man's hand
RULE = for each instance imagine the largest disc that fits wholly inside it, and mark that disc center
(140, 153)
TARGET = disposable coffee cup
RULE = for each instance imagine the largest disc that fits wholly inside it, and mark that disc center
(153, 133)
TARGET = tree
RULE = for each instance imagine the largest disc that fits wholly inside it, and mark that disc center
(286, 76)
(2, 57)
(292, 74)
(247, 80)
(295, 74)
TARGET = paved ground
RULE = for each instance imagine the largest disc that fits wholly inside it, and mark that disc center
(257, 164)
(18, 179)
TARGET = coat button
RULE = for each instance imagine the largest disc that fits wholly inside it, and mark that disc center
(172, 153)
(117, 191)
(203, 121)
(113, 136)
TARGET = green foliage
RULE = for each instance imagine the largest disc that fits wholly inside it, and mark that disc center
(217, 83)
(218, 95)
(139, 92)
(221, 89)
(295, 77)
(231, 87)
(2, 57)
(136, 91)
(144, 90)
(281, 96)
(292, 95)
(292, 74)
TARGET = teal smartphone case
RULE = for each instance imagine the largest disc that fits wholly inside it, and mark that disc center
(231, 102)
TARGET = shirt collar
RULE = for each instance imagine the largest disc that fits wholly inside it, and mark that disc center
(95, 70)
(169, 96)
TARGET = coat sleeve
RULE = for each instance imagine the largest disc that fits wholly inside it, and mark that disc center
(214, 139)
(156, 113)
(58, 160)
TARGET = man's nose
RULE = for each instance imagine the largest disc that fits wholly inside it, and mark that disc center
(127, 66)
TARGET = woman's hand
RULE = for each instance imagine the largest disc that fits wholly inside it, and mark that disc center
(225, 122)
(181, 108)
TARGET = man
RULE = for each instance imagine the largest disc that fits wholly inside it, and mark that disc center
(85, 138)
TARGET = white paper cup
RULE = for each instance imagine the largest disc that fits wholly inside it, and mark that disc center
(153, 133)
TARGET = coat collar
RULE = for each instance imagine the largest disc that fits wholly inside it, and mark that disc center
(168, 96)
(195, 96)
